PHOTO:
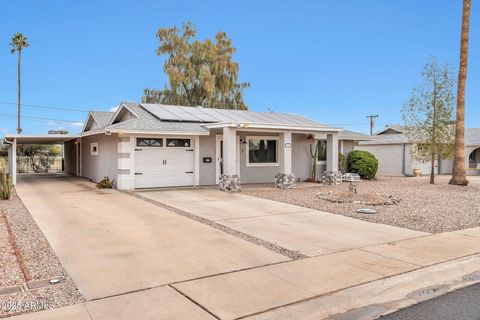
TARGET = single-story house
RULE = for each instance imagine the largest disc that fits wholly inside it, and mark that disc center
(392, 149)
(150, 145)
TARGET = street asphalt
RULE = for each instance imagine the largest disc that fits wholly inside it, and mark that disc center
(462, 304)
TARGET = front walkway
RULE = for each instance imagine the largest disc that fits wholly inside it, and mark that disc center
(311, 232)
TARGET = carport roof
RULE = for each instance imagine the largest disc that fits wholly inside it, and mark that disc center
(40, 138)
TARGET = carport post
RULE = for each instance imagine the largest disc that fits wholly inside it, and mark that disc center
(332, 152)
(12, 159)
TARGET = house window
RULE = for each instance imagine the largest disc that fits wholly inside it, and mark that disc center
(149, 142)
(262, 151)
(322, 150)
(94, 148)
(178, 143)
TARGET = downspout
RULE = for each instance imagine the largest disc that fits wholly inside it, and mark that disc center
(403, 159)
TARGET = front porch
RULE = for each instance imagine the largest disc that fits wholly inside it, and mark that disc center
(256, 155)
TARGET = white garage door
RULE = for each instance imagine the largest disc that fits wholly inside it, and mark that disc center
(163, 162)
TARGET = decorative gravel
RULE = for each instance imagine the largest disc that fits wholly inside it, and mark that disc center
(423, 207)
(40, 261)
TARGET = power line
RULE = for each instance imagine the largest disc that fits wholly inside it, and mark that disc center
(45, 107)
(4, 115)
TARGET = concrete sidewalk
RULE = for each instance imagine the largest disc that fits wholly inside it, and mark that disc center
(355, 284)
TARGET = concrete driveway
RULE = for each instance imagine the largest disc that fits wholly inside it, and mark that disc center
(112, 243)
(311, 232)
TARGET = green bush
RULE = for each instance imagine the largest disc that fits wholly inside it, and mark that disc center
(362, 162)
(106, 183)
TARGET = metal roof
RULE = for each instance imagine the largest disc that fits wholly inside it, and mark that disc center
(41, 138)
(211, 115)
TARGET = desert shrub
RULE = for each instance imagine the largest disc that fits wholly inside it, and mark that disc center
(362, 162)
(105, 183)
(6, 186)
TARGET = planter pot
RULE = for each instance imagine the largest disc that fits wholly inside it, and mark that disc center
(417, 172)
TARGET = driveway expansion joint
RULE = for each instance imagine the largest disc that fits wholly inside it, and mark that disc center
(194, 302)
(294, 255)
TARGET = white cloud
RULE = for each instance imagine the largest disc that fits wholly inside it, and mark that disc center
(76, 125)
(113, 109)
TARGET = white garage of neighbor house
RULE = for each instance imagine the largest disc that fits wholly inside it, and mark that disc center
(392, 149)
(150, 146)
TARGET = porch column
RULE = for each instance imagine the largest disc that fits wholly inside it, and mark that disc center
(332, 152)
(229, 180)
(285, 179)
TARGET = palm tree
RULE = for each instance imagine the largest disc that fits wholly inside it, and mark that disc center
(19, 42)
(459, 174)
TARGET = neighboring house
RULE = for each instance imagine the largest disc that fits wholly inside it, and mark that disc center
(392, 149)
(148, 146)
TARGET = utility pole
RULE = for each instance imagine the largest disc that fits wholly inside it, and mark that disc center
(372, 123)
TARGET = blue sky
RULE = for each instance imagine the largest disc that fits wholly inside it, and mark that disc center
(333, 61)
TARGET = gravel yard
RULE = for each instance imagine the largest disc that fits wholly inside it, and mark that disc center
(423, 207)
(40, 260)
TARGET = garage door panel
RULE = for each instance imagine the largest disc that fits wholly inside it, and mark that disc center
(163, 167)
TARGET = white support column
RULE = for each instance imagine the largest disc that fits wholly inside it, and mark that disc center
(285, 179)
(229, 181)
(286, 150)
(12, 161)
(229, 151)
(332, 152)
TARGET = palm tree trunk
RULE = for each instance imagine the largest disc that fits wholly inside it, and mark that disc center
(459, 173)
(19, 128)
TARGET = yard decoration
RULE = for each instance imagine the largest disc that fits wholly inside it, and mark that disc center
(7, 186)
(362, 162)
(105, 183)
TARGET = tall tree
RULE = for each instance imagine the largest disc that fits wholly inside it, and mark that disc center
(459, 175)
(200, 73)
(19, 42)
(428, 115)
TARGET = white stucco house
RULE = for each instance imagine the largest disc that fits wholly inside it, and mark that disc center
(151, 146)
(392, 149)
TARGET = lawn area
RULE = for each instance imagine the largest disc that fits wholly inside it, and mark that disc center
(21, 238)
(423, 207)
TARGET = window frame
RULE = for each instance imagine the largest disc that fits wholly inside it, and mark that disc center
(92, 146)
(322, 162)
(149, 146)
(262, 164)
(170, 138)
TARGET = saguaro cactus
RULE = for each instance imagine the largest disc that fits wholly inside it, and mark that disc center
(6, 186)
(314, 155)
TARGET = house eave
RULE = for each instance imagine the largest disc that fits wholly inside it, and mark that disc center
(220, 125)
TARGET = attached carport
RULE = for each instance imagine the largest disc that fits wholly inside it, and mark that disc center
(12, 140)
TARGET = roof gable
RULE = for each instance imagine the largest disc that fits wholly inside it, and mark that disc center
(123, 113)
(90, 124)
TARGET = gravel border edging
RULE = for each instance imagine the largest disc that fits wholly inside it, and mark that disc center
(294, 255)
